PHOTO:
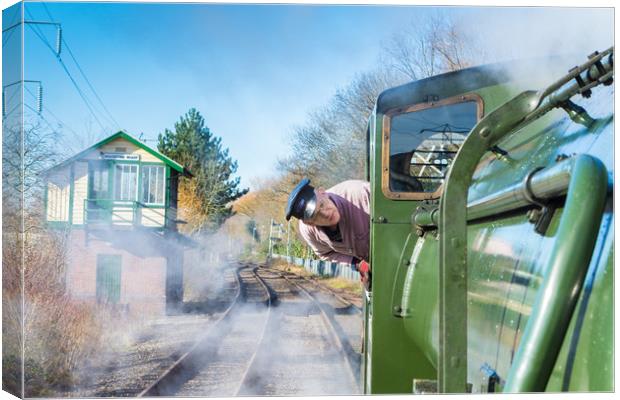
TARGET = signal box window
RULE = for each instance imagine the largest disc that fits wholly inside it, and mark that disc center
(125, 182)
(422, 142)
(153, 185)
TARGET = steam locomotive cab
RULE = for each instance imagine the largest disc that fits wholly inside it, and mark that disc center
(528, 297)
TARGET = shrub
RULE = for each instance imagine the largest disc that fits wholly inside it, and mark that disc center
(59, 333)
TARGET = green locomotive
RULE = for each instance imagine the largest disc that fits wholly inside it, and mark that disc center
(492, 231)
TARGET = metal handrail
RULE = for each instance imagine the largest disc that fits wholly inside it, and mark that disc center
(107, 207)
(563, 275)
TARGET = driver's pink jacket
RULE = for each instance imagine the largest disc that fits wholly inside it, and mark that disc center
(352, 198)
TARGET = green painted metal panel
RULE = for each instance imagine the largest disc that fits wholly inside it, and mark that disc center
(507, 261)
(396, 360)
(108, 288)
(390, 372)
(420, 295)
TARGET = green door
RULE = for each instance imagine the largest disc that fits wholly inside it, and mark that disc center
(108, 278)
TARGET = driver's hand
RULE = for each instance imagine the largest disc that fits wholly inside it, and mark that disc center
(365, 275)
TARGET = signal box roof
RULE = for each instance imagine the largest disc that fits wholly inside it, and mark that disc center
(124, 135)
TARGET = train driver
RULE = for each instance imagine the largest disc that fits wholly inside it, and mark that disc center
(335, 222)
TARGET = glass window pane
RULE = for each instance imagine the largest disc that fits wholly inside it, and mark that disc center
(99, 181)
(125, 182)
(153, 185)
(424, 142)
(161, 185)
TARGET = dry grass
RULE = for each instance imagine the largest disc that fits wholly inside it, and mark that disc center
(59, 334)
(339, 284)
(344, 285)
(285, 266)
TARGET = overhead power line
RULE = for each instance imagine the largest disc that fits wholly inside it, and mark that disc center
(75, 84)
(47, 109)
(28, 106)
(49, 14)
(71, 78)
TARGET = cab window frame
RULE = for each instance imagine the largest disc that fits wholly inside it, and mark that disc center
(385, 154)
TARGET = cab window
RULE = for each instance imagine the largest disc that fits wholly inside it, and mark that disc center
(422, 141)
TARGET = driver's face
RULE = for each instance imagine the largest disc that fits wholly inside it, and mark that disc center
(326, 214)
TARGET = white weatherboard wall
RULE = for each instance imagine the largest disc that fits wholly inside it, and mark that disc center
(123, 215)
(153, 217)
(116, 145)
(58, 195)
(80, 191)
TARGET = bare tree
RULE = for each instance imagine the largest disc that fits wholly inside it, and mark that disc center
(26, 154)
(44, 330)
(430, 47)
(331, 145)
(72, 142)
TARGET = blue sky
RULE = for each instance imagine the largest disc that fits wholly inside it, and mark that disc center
(253, 71)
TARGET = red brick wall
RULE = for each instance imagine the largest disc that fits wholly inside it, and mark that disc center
(143, 276)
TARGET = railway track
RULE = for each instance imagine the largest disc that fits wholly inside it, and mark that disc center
(276, 339)
(253, 303)
(139, 351)
(334, 363)
(313, 280)
(343, 315)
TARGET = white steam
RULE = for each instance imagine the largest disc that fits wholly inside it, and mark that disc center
(507, 33)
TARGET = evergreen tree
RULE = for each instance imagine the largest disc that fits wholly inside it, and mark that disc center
(205, 200)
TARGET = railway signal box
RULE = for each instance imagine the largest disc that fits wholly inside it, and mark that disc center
(117, 202)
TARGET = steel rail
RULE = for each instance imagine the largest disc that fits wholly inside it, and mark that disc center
(169, 376)
(333, 293)
(328, 322)
(251, 363)
(324, 288)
